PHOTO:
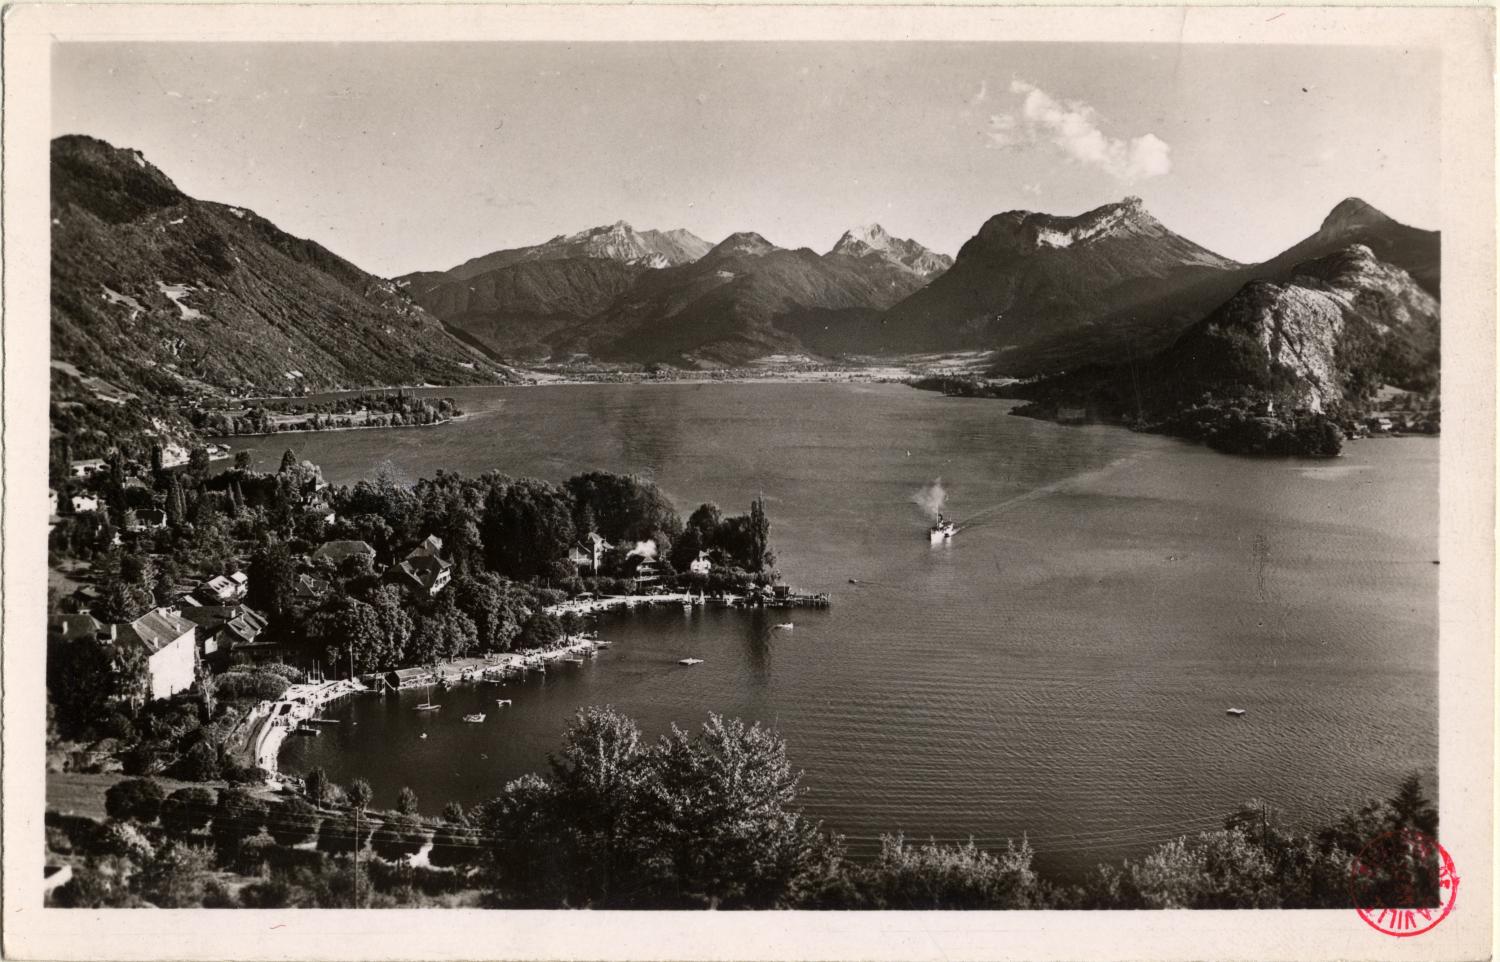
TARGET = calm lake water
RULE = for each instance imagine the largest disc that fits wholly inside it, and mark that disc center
(1060, 670)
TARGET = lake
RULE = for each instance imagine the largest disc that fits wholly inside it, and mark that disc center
(1060, 670)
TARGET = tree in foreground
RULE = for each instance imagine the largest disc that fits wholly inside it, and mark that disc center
(935, 876)
(722, 808)
(139, 799)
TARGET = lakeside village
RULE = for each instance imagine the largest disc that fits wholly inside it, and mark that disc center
(184, 645)
(195, 619)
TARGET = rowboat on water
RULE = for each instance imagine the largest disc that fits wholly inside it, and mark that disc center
(474, 717)
(1236, 712)
(690, 661)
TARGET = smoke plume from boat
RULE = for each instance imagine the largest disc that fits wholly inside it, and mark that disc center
(931, 498)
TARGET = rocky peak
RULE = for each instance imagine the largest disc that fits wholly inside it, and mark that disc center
(859, 240)
(872, 240)
(1350, 214)
(1022, 230)
(744, 243)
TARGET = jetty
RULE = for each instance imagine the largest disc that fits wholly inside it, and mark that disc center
(776, 596)
(259, 735)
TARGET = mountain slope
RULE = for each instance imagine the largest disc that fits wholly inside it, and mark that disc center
(1352, 221)
(1272, 357)
(161, 293)
(1026, 276)
(511, 311)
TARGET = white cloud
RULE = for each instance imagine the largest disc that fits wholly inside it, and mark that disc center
(1073, 128)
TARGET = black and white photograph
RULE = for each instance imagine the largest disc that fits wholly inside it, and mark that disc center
(810, 478)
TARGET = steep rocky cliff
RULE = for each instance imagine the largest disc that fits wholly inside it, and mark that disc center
(1278, 363)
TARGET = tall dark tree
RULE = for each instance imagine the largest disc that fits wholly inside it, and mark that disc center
(273, 579)
(1412, 808)
(528, 526)
(761, 557)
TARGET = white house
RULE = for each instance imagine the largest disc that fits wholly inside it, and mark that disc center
(700, 565)
(87, 467)
(84, 502)
(222, 589)
(172, 652)
(585, 554)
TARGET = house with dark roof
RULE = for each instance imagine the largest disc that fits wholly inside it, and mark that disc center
(409, 677)
(73, 627)
(340, 551)
(222, 631)
(309, 590)
(148, 519)
(171, 649)
(425, 568)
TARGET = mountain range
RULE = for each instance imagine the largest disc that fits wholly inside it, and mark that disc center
(621, 295)
(156, 292)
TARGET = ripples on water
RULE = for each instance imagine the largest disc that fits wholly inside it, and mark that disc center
(1060, 669)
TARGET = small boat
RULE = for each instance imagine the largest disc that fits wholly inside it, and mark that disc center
(503, 702)
(474, 717)
(1236, 712)
(690, 661)
(784, 626)
(942, 530)
(428, 705)
(423, 735)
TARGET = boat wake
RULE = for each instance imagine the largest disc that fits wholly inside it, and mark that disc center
(985, 515)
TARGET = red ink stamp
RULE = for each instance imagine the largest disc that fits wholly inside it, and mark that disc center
(1403, 883)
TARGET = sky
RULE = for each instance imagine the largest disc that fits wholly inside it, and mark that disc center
(418, 156)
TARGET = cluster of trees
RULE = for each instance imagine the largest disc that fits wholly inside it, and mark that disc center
(508, 541)
(701, 820)
(370, 410)
(1235, 428)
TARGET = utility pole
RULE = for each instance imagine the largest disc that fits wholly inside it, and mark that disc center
(358, 810)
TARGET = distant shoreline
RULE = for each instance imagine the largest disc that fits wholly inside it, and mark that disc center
(352, 427)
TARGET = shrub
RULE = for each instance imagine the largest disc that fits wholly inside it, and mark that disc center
(294, 822)
(148, 758)
(453, 845)
(199, 764)
(290, 673)
(177, 876)
(125, 839)
(137, 799)
(951, 877)
(247, 775)
(399, 837)
(187, 810)
(256, 684)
